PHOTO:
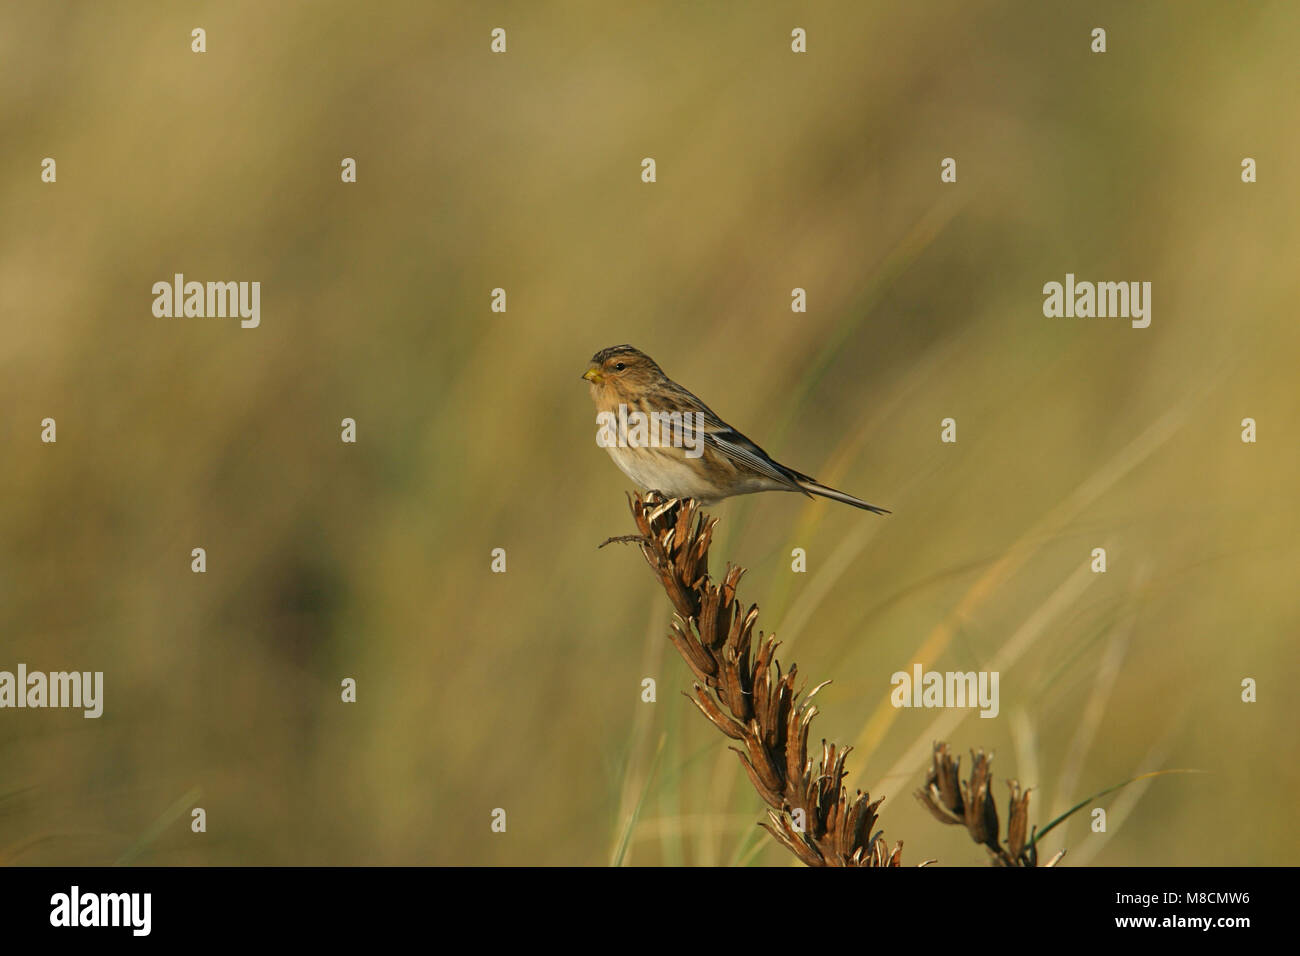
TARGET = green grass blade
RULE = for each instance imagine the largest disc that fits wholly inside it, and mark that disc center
(168, 817)
(625, 838)
(1038, 835)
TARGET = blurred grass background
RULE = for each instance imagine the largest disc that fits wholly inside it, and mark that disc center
(775, 170)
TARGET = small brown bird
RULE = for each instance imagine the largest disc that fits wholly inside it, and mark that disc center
(667, 440)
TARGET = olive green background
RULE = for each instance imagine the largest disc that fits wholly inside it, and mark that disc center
(522, 171)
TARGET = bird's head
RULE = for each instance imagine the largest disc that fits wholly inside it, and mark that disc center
(621, 371)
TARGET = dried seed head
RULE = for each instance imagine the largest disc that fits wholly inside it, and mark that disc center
(741, 690)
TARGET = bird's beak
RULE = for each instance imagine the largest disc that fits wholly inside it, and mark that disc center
(593, 375)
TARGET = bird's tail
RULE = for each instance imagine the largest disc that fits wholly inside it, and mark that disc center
(810, 487)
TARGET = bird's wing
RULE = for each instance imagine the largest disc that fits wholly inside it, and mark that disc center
(730, 443)
(745, 453)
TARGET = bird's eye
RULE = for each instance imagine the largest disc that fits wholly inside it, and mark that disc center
(619, 366)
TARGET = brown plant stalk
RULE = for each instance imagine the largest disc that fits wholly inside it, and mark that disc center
(740, 688)
(969, 803)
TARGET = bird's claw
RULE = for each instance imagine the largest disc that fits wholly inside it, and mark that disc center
(660, 505)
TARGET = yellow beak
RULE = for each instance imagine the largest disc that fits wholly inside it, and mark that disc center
(593, 375)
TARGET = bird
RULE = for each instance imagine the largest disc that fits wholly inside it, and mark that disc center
(702, 456)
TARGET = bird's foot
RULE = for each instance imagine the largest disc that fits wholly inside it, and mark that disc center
(659, 504)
